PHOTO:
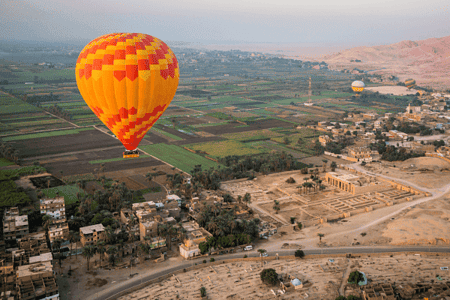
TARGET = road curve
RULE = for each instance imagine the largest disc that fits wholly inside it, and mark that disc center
(111, 293)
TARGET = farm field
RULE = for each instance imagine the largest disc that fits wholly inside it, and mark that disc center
(82, 163)
(224, 148)
(4, 162)
(251, 135)
(178, 157)
(69, 192)
(64, 141)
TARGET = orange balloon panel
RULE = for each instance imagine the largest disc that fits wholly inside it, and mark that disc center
(128, 80)
(357, 89)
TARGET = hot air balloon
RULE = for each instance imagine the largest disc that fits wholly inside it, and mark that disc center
(128, 80)
(410, 83)
(358, 86)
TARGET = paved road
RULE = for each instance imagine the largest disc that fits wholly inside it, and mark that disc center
(110, 293)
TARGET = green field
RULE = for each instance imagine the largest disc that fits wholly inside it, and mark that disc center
(224, 148)
(101, 161)
(69, 192)
(178, 157)
(44, 134)
(251, 135)
(169, 135)
(4, 162)
(54, 74)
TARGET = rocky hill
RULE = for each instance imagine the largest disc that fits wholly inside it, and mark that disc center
(427, 61)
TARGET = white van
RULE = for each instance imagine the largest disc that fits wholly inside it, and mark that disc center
(248, 248)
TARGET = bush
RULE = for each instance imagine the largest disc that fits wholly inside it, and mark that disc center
(292, 220)
(352, 297)
(202, 291)
(355, 277)
(341, 298)
(299, 253)
(300, 225)
(269, 276)
(204, 261)
(212, 259)
(245, 256)
(363, 234)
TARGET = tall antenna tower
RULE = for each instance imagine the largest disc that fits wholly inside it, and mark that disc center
(309, 91)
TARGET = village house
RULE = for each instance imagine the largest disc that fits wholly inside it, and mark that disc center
(14, 226)
(90, 235)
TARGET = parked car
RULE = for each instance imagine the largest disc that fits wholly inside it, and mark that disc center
(265, 254)
(248, 248)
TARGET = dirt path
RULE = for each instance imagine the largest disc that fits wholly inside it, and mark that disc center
(344, 280)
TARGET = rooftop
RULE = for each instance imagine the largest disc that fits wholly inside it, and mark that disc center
(91, 229)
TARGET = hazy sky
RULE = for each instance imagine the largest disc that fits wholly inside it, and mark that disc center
(344, 22)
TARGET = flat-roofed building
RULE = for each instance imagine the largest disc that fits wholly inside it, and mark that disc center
(14, 226)
(194, 236)
(54, 208)
(148, 229)
(36, 281)
(90, 235)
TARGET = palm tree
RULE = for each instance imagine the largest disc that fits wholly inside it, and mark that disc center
(75, 239)
(88, 253)
(101, 248)
(247, 199)
(112, 252)
(321, 235)
(276, 208)
(261, 251)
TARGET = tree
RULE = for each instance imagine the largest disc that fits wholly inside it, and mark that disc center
(276, 208)
(352, 297)
(88, 253)
(299, 253)
(286, 140)
(227, 198)
(203, 291)
(247, 199)
(149, 178)
(300, 225)
(292, 220)
(341, 298)
(355, 277)
(321, 235)
(101, 249)
(112, 252)
(333, 166)
(269, 276)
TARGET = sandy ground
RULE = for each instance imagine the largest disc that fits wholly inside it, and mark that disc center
(82, 284)
(322, 278)
(392, 89)
(428, 172)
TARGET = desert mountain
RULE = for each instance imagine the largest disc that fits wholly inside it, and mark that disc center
(427, 61)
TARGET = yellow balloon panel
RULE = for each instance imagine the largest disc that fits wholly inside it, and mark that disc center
(128, 80)
(357, 89)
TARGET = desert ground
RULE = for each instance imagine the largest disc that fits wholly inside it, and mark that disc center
(322, 278)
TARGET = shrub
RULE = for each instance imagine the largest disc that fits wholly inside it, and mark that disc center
(203, 291)
(300, 225)
(341, 298)
(299, 253)
(204, 261)
(269, 276)
(352, 297)
(355, 277)
(245, 256)
(292, 220)
(363, 233)
(212, 259)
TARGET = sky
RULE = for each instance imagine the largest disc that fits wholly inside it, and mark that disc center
(308, 23)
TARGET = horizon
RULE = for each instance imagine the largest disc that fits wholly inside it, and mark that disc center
(322, 24)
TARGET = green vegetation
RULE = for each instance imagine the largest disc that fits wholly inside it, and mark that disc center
(101, 161)
(251, 135)
(24, 171)
(355, 277)
(169, 135)
(4, 162)
(269, 276)
(178, 157)
(224, 148)
(69, 192)
(11, 195)
(45, 134)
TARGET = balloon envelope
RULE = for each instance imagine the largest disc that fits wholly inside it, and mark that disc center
(410, 83)
(128, 80)
(358, 86)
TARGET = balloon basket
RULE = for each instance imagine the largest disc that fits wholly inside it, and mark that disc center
(130, 154)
